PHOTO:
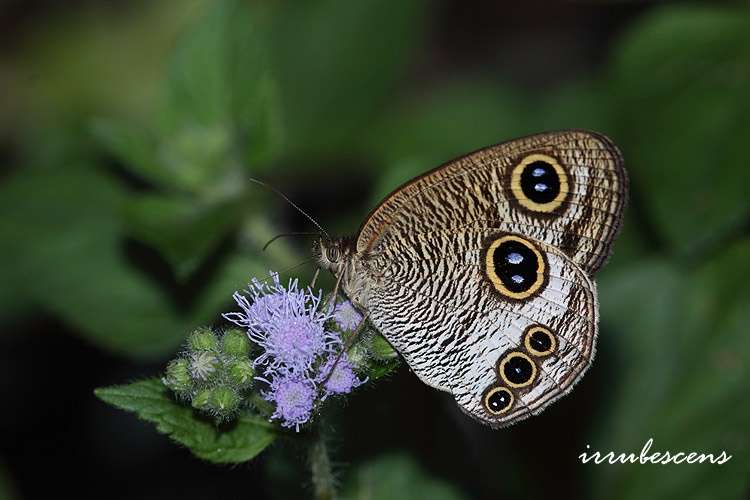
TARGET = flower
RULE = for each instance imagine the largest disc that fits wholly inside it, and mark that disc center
(346, 316)
(294, 396)
(301, 359)
(287, 323)
(342, 379)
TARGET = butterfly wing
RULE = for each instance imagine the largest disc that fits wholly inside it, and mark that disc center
(479, 272)
(444, 306)
(567, 189)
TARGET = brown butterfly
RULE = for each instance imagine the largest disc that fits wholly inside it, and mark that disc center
(479, 272)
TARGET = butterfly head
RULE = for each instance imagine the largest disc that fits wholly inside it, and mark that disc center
(333, 253)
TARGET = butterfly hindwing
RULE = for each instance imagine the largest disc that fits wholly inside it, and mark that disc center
(443, 306)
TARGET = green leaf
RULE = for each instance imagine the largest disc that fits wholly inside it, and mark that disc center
(234, 273)
(396, 477)
(221, 82)
(682, 376)
(680, 79)
(62, 252)
(449, 121)
(339, 63)
(183, 230)
(151, 401)
(134, 146)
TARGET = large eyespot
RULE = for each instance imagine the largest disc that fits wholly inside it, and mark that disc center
(515, 267)
(517, 369)
(539, 183)
(540, 341)
(498, 400)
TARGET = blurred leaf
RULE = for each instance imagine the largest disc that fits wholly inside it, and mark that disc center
(234, 274)
(339, 63)
(681, 79)
(48, 77)
(395, 477)
(184, 231)
(221, 109)
(150, 400)
(134, 146)
(220, 80)
(581, 105)
(446, 123)
(686, 358)
(62, 251)
(451, 120)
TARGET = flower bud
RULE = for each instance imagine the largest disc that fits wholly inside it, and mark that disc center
(201, 399)
(202, 339)
(241, 373)
(224, 400)
(177, 376)
(235, 343)
(358, 355)
(381, 349)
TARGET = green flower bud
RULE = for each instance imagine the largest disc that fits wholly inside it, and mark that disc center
(177, 376)
(358, 355)
(381, 349)
(203, 365)
(236, 343)
(202, 339)
(201, 399)
(224, 400)
(241, 373)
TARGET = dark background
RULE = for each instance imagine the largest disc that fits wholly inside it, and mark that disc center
(126, 131)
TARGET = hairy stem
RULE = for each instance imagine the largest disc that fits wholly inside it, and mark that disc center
(324, 484)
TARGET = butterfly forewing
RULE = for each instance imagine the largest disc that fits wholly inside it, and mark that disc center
(565, 188)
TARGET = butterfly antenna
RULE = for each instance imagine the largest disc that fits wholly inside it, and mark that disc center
(282, 235)
(286, 198)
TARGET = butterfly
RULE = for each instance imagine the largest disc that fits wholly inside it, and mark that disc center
(480, 272)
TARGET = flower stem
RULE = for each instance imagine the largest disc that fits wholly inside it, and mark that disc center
(324, 484)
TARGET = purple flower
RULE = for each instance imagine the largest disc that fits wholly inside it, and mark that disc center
(342, 380)
(294, 397)
(346, 316)
(287, 323)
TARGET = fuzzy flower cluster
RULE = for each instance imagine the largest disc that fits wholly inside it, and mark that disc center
(301, 359)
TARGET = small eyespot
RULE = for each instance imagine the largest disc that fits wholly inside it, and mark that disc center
(498, 400)
(540, 341)
(517, 369)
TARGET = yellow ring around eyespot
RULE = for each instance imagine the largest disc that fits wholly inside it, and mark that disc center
(495, 279)
(505, 360)
(517, 191)
(527, 341)
(496, 390)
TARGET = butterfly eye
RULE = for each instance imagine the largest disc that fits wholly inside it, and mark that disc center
(539, 341)
(498, 400)
(539, 183)
(515, 267)
(333, 254)
(517, 369)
